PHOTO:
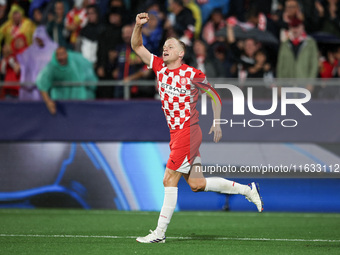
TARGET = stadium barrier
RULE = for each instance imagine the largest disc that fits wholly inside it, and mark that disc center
(249, 82)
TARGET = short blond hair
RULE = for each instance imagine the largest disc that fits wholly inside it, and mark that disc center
(181, 44)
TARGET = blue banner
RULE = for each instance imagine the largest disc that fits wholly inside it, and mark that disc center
(144, 121)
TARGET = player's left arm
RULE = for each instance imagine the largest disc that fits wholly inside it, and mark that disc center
(217, 107)
(201, 83)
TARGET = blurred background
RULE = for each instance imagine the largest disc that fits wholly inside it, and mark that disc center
(81, 124)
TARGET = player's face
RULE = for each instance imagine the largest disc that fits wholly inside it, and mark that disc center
(171, 51)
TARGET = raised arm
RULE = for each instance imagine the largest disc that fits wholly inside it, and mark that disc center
(137, 39)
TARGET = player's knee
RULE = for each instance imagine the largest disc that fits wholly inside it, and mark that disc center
(169, 181)
(197, 186)
(166, 182)
(171, 178)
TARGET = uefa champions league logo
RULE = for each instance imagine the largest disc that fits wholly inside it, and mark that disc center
(303, 96)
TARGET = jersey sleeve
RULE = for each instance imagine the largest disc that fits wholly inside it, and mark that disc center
(156, 63)
(200, 81)
(200, 77)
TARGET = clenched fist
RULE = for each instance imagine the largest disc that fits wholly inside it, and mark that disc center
(142, 18)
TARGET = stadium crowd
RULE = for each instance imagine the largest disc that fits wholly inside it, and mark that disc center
(225, 39)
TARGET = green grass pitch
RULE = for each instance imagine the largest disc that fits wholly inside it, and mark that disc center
(47, 231)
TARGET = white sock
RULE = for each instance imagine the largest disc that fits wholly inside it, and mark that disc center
(168, 208)
(218, 184)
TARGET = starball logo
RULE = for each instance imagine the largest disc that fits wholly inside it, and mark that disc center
(302, 96)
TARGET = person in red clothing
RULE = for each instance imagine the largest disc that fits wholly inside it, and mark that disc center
(329, 68)
(178, 87)
(329, 64)
(10, 67)
(76, 19)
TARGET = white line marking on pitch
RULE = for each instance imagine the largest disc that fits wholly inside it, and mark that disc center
(178, 237)
(187, 213)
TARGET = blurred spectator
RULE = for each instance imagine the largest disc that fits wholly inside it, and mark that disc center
(107, 52)
(66, 66)
(7, 62)
(310, 14)
(154, 5)
(240, 8)
(264, 6)
(46, 7)
(126, 14)
(237, 8)
(255, 19)
(202, 61)
(180, 22)
(15, 25)
(55, 26)
(223, 58)
(250, 62)
(207, 7)
(262, 28)
(37, 16)
(76, 19)
(87, 42)
(128, 63)
(152, 33)
(215, 23)
(141, 91)
(259, 20)
(329, 64)
(329, 68)
(262, 67)
(33, 60)
(329, 13)
(10, 66)
(117, 4)
(3, 14)
(10, 70)
(291, 10)
(243, 53)
(298, 56)
(19, 44)
(24, 4)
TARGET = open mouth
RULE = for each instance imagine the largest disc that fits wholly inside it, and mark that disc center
(165, 54)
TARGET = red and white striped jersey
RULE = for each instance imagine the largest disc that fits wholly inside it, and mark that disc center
(177, 92)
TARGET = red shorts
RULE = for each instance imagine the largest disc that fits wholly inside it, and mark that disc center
(184, 148)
